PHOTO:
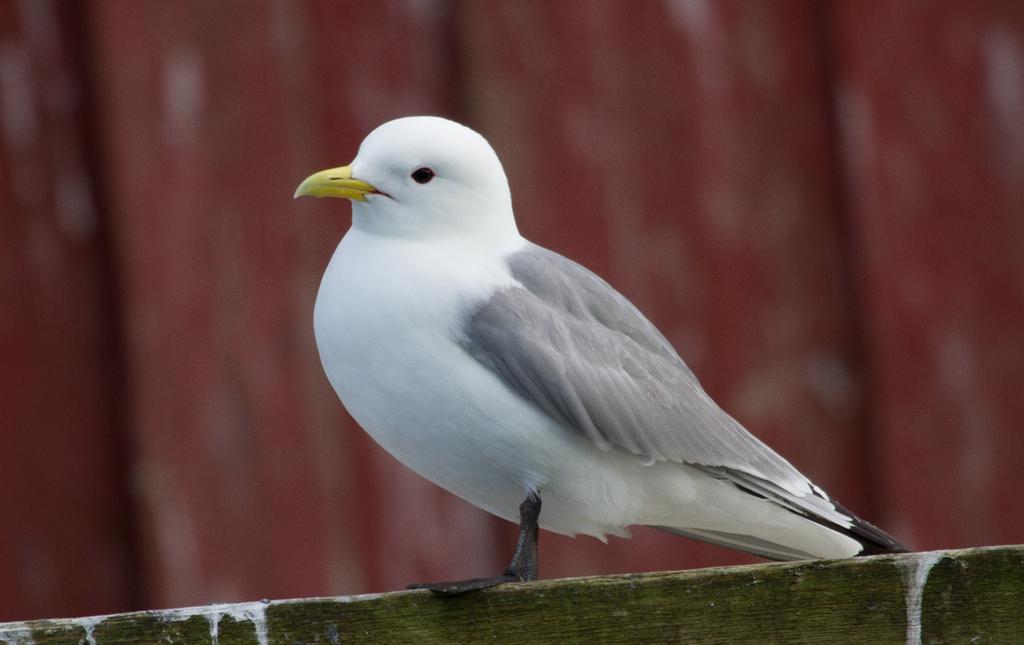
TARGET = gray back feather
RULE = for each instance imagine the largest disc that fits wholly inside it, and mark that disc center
(577, 349)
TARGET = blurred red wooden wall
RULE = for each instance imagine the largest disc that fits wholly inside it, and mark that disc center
(820, 204)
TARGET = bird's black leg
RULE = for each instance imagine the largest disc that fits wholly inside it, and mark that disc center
(524, 561)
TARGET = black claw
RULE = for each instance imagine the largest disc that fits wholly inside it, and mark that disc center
(456, 587)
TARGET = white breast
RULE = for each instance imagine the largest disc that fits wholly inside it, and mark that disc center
(387, 326)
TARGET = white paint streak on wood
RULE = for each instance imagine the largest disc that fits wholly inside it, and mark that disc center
(16, 634)
(251, 612)
(89, 625)
(915, 575)
(256, 613)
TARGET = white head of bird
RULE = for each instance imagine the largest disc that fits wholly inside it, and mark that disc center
(422, 177)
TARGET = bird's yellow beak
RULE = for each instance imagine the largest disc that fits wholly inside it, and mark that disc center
(334, 182)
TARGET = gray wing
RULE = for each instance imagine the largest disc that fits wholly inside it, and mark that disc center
(576, 348)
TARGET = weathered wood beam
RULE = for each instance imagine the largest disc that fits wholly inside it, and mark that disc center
(971, 595)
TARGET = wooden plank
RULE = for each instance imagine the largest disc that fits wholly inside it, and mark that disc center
(63, 545)
(954, 596)
(684, 152)
(931, 106)
(254, 482)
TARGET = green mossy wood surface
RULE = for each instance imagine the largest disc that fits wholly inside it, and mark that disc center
(966, 596)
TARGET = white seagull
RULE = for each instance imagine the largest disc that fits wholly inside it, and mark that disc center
(506, 373)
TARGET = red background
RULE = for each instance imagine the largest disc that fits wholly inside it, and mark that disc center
(821, 204)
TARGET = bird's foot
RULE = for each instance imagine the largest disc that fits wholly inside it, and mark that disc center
(524, 561)
(456, 587)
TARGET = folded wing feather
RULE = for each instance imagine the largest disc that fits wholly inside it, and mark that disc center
(576, 348)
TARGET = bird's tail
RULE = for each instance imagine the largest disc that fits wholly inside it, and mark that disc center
(872, 540)
(774, 551)
(747, 543)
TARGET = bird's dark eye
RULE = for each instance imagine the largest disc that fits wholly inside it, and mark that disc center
(422, 175)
